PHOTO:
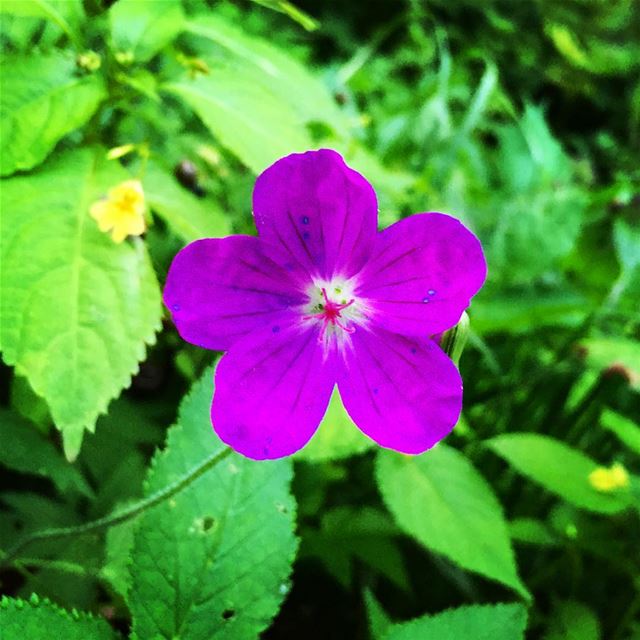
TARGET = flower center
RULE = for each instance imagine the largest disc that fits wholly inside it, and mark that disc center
(330, 314)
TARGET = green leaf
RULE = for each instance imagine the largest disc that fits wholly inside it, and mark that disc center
(67, 14)
(443, 502)
(77, 309)
(379, 621)
(42, 100)
(573, 621)
(531, 531)
(476, 622)
(245, 117)
(215, 560)
(558, 468)
(336, 438)
(26, 450)
(627, 430)
(38, 619)
(144, 28)
(189, 217)
(602, 353)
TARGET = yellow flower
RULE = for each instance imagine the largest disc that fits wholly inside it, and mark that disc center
(608, 480)
(122, 211)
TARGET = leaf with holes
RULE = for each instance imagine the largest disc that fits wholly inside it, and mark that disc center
(443, 502)
(214, 561)
(43, 99)
(77, 309)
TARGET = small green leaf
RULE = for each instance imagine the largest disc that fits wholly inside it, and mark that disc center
(559, 469)
(572, 620)
(531, 531)
(379, 621)
(26, 450)
(336, 438)
(602, 353)
(215, 560)
(77, 309)
(42, 100)
(67, 14)
(627, 430)
(189, 217)
(254, 124)
(476, 622)
(443, 502)
(143, 28)
(35, 618)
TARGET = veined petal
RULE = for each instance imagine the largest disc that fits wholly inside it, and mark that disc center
(402, 392)
(318, 210)
(222, 288)
(422, 274)
(272, 390)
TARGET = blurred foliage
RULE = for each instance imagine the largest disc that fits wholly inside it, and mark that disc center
(522, 119)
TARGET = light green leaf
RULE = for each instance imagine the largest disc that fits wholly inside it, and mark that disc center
(531, 531)
(42, 100)
(627, 430)
(602, 353)
(26, 450)
(189, 217)
(573, 621)
(143, 28)
(443, 502)
(337, 437)
(246, 118)
(214, 561)
(38, 619)
(275, 70)
(476, 622)
(558, 468)
(77, 309)
(67, 14)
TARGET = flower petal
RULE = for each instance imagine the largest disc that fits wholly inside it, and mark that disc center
(320, 211)
(220, 289)
(402, 392)
(423, 273)
(272, 390)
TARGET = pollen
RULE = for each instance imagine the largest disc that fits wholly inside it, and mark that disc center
(122, 211)
(611, 479)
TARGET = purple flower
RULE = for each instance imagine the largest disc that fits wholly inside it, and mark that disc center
(321, 298)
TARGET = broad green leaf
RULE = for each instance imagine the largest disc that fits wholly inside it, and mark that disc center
(572, 620)
(602, 353)
(67, 14)
(35, 618)
(43, 98)
(443, 502)
(214, 561)
(475, 622)
(337, 437)
(251, 122)
(143, 28)
(366, 535)
(77, 309)
(627, 430)
(558, 468)
(25, 449)
(276, 70)
(189, 217)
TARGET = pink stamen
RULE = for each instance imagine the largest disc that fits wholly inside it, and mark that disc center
(331, 313)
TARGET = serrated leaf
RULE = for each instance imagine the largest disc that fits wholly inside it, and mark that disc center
(250, 121)
(42, 100)
(189, 217)
(558, 468)
(336, 438)
(26, 450)
(77, 309)
(572, 620)
(37, 619)
(144, 28)
(476, 622)
(443, 502)
(215, 560)
(627, 430)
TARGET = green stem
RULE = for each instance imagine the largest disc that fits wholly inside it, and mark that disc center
(119, 516)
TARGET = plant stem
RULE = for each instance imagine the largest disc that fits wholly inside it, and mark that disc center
(119, 516)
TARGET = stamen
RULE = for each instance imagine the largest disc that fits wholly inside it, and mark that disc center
(330, 313)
